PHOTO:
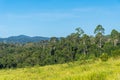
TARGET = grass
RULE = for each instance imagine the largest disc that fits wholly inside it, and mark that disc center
(79, 70)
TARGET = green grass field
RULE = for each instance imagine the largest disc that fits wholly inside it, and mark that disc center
(79, 70)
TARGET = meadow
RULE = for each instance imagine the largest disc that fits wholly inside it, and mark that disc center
(79, 70)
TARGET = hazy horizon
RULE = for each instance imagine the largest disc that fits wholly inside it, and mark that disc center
(59, 18)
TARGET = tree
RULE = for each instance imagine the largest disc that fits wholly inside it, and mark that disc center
(99, 31)
(114, 37)
(53, 39)
(79, 31)
(86, 43)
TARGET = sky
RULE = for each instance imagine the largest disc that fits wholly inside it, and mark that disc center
(58, 18)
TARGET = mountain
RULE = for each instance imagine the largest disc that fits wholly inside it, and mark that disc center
(22, 39)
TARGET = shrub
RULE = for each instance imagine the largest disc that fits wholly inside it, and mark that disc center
(116, 53)
(104, 57)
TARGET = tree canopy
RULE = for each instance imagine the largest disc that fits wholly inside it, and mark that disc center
(76, 46)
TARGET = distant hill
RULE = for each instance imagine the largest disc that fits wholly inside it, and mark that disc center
(22, 39)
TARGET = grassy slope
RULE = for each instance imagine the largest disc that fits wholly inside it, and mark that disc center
(98, 70)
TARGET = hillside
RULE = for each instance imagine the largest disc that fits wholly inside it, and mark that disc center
(23, 39)
(90, 70)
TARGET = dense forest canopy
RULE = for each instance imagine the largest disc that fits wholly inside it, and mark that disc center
(76, 46)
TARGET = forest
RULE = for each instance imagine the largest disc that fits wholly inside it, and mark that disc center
(77, 46)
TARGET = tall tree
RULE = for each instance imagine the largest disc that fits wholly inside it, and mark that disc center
(114, 37)
(99, 31)
(80, 31)
(86, 42)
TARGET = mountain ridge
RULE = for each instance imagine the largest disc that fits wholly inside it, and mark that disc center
(23, 39)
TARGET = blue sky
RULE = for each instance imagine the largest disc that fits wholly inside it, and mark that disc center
(57, 17)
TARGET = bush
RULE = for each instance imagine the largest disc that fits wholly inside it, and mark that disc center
(104, 57)
(116, 53)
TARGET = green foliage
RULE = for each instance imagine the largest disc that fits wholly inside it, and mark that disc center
(97, 70)
(77, 46)
(116, 53)
(99, 29)
(104, 57)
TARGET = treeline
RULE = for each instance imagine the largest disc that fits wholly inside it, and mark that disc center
(76, 46)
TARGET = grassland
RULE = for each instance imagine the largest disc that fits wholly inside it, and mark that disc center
(79, 70)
